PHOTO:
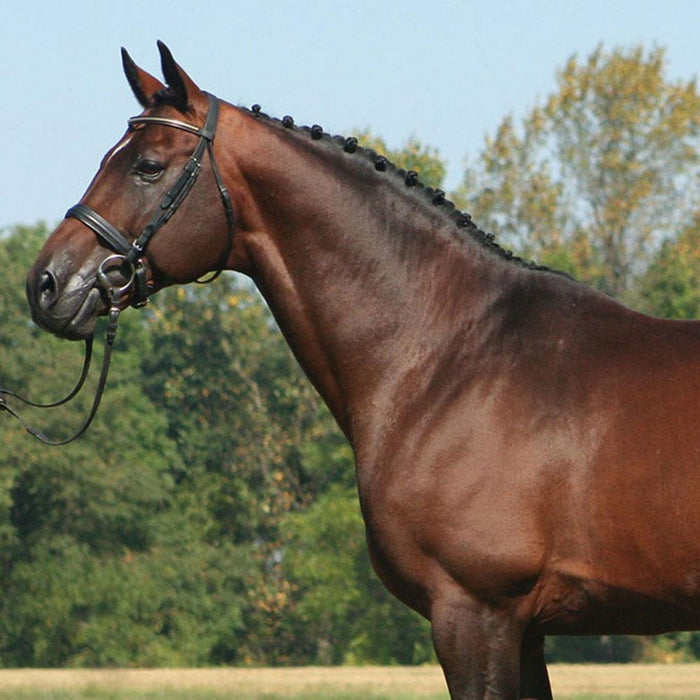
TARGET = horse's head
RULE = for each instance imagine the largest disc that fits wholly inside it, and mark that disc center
(112, 239)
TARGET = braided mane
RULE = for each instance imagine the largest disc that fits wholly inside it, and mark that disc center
(462, 221)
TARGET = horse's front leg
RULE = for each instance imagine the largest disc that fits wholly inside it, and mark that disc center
(478, 648)
(534, 679)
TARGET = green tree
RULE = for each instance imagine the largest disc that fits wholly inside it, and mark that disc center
(671, 286)
(103, 560)
(600, 173)
(236, 403)
(338, 610)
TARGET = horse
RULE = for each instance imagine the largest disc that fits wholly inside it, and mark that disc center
(526, 448)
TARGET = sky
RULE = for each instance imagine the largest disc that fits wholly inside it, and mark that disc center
(446, 72)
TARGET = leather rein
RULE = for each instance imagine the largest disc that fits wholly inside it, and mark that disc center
(128, 259)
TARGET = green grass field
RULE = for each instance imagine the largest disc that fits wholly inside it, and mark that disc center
(574, 682)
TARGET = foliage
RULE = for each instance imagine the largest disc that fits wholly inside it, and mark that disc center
(596, 177)
(336, 599)
(100, 564)
(594, 649)
(671, 285)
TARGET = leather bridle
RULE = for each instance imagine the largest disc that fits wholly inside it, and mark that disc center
(128, 257)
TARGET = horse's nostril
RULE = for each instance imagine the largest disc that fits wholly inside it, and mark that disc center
(47, 288)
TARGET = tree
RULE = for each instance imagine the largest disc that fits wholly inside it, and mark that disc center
(671, 286)
(236, 403)
(103, 560)
(600, 174)
(337, 608)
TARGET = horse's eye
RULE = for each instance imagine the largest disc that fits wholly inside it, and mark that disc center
(149, 170)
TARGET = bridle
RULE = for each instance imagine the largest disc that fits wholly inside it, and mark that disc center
(129, 255)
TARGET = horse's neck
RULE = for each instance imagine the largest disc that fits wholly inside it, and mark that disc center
(370, 287)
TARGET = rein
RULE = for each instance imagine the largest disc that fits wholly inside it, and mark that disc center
(128, 259)
(110, 335)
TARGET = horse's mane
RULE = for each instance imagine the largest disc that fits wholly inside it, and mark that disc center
(431, 198)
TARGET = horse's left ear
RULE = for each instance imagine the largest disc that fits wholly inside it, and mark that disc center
(182, 88)
(143, 84)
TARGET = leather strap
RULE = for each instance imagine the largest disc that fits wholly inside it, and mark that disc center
(109, 235)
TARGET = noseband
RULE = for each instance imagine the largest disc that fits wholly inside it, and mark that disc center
(128, 257)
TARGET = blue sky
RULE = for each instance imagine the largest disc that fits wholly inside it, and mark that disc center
(446, 71)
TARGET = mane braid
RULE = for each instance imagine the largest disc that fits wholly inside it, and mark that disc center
(462, 221)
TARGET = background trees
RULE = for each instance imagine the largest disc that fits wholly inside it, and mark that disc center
(210, 514)
(596, 177)
(670, 286)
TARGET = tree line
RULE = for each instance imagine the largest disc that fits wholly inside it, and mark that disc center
(210, 514)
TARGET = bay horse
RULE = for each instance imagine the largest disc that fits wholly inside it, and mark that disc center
(527, 449)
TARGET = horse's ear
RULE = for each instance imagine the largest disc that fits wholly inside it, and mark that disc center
(181, 87)
(143, 84)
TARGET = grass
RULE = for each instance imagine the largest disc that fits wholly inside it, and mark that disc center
(573, 682)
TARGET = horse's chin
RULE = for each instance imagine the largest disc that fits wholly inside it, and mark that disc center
(79, 325)
(82, 325)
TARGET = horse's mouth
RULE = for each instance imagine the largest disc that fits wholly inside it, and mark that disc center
(76, 326)
(82, 325)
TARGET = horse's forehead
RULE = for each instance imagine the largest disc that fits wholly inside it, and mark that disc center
(137, 141)
(116, 151)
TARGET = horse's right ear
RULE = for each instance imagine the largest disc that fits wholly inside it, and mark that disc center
(143, 84)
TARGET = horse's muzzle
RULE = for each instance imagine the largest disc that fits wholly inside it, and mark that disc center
(63, 302)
